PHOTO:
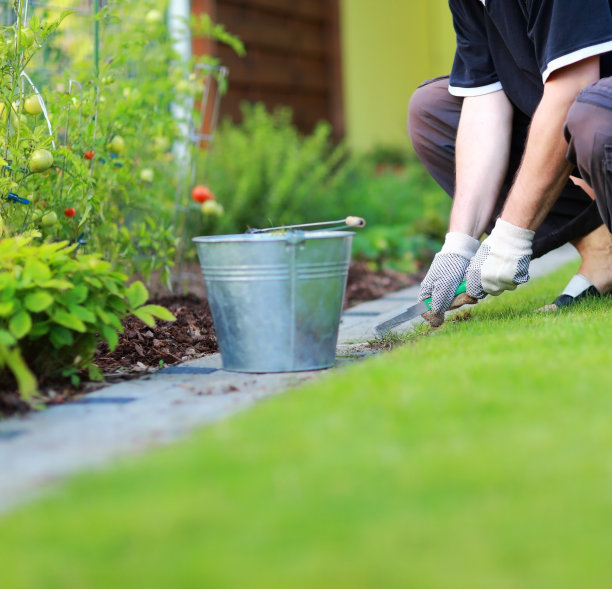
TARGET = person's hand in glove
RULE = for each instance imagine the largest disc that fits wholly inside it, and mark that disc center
(446, 273)
(502, 261)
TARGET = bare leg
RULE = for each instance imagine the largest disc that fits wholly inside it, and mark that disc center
(595, 249)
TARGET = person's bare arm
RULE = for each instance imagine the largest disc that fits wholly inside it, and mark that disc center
(544, 169)
(482, 155)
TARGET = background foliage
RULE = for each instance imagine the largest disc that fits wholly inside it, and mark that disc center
(266, 174)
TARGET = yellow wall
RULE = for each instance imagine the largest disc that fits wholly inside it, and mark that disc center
(388, 48)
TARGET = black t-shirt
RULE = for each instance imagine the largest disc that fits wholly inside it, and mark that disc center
(517, 44)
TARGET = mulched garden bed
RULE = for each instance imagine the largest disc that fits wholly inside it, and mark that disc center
(144, 349)
(192, 335)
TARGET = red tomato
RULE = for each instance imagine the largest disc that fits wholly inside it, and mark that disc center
(202, 193)
(88, 155)
(70, 212)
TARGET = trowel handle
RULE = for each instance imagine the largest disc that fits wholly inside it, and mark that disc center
(460, 290)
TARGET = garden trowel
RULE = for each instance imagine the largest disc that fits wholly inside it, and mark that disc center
(461, 298)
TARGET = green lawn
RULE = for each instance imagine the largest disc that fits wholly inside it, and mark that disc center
(479, 456)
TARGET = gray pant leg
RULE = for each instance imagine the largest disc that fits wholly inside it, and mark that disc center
(588, 130)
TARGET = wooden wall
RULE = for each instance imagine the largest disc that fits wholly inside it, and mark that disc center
(293, 57)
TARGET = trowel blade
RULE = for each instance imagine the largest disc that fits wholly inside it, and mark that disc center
(407, 315)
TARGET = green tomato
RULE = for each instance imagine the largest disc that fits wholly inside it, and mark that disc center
(32, 105)
(40, 160)
(117, 144)
(153, 17)
(146, 175)
(184, 87)
(212, 208)
(27, 37)
(161, 143)
(49, 219)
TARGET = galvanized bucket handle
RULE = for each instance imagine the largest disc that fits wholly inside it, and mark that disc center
(349, 222)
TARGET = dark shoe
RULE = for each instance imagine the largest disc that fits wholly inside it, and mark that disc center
(567, 300)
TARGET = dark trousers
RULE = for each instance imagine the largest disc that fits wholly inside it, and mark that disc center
(433, 119)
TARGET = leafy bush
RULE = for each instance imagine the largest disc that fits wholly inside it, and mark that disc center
(56, 306)
(266, 173)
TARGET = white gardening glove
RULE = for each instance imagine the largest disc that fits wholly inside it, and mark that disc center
(446, 273)
(502, 261)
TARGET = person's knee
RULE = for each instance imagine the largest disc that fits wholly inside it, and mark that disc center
(421, 112)
(417, 112)
(582, 136)
(588, 130)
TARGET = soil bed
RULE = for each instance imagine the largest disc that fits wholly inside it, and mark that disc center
(192, 335)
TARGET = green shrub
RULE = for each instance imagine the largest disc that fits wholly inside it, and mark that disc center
(56, 305)
(266, 173)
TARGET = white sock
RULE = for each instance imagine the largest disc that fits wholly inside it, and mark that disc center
(576, 285)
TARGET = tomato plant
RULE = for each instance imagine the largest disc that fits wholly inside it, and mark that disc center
(112, 130)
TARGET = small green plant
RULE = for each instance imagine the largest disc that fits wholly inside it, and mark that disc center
(56, 305)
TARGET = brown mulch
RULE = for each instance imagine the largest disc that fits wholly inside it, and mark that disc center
(192, 335)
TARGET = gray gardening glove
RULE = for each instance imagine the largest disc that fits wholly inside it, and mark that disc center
(502, 261)
(446, 273)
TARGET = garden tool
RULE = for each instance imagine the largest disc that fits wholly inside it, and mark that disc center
(461, 298)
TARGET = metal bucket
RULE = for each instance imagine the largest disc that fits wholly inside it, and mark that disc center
(276, 300)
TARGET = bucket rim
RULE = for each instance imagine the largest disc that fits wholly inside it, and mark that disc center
(258, 237)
